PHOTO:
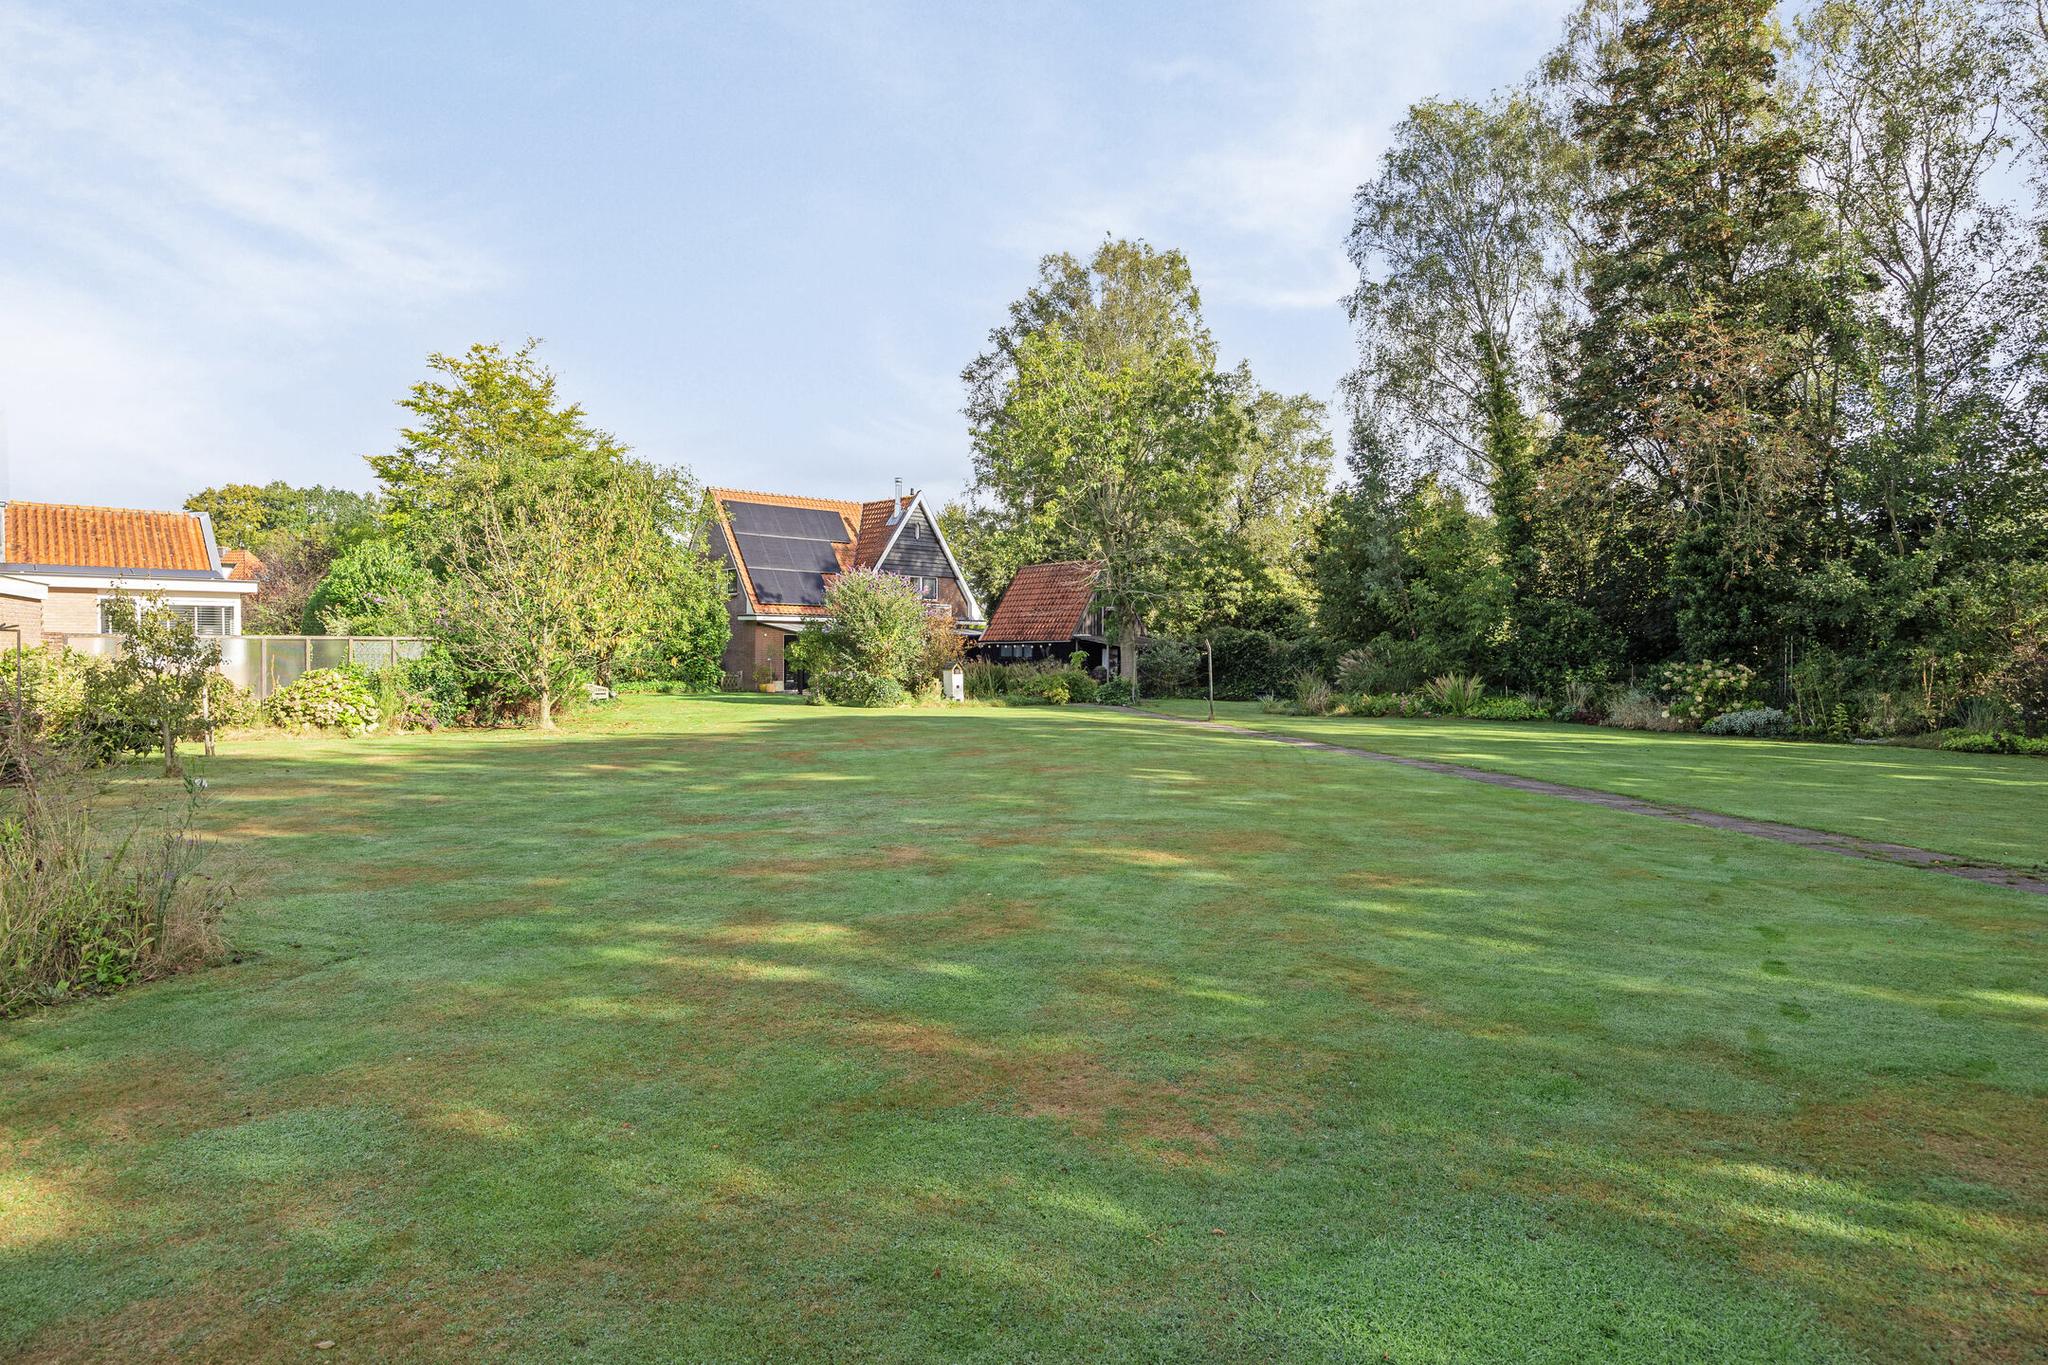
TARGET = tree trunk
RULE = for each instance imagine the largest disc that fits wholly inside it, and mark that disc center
(547, 707)
(1127, 652)
(171, 768)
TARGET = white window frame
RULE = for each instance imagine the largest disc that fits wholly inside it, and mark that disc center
(230, 614)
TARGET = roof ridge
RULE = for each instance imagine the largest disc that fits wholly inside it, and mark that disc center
(100, 507)
(740, 494)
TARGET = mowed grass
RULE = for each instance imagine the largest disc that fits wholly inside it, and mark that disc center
(1986, 807)
(734, 1029)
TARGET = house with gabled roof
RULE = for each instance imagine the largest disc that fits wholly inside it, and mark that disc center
(1050, 611)
(785, 549)
(60, 564)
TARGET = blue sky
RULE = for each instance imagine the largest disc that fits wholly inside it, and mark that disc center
(758, 241)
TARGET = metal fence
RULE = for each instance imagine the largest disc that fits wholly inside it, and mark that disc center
(264, 663)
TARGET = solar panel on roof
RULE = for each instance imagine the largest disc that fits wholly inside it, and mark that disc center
(787, 552)
(789, 587)
(804, 523)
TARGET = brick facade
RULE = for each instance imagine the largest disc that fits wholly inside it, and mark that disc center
(26, 615)
(71, 611)
(752, 646)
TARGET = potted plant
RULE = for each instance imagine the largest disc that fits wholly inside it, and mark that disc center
(765, 679)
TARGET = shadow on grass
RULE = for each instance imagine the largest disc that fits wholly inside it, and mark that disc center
(938, 1033)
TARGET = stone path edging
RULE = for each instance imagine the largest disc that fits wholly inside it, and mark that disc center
(1848, 845)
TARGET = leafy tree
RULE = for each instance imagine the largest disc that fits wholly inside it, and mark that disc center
(253, 516)
(1257, 555)
(1456, 244)
(556, 554)
(477, 432)
(162, 672)
(690, 626)
(1715, 309)
(1407, 569)
(528, 590)
(376, 588)
(295, 534)
(1102, 429)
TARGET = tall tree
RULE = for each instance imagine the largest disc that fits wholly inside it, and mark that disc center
(487, 415)
(555, 552)
(1461, 254)
(1101, 426)
(1715, 317)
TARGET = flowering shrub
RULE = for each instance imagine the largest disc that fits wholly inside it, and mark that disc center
(1698, 691)
(1764, 722)
(326, 699)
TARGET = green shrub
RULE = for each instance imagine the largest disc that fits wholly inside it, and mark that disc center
(1507, 708)
(52, 680)
(857, 687)
(229, 706)
(1115, 692)
(1763, 722)
(1312, 696)
(1982, 714)
(1081, 686)
(1890, 713)
(1703, 690)
(1993, 742)
(430, 691)
(326, 699)
(1402, 704)
(77, 702)
(1034, 685)
(1817, 686)
(1169, 668)
(1454, 694)
(985, 679)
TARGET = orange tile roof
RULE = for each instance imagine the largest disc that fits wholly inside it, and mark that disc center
(875, 530)
(242, 565)
(61, 535)
(1044, 602)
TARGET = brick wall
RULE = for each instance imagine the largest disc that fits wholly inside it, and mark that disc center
(71, 611)
(752, 645)
(25, 613)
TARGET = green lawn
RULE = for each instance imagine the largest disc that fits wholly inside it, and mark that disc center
(1991, 808)
(736, 1029)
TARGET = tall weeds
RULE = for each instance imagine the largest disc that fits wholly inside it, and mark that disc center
(89, 903)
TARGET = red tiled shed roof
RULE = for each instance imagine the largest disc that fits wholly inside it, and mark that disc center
(63, 535)
(242, 565)
(1045, 602)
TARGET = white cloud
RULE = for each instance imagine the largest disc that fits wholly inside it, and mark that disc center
(185, 167)
(179, 243)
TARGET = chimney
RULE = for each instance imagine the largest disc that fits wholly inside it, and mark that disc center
(899, 490)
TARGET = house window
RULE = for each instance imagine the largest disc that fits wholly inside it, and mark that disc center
(208, 618)
(927, 588)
